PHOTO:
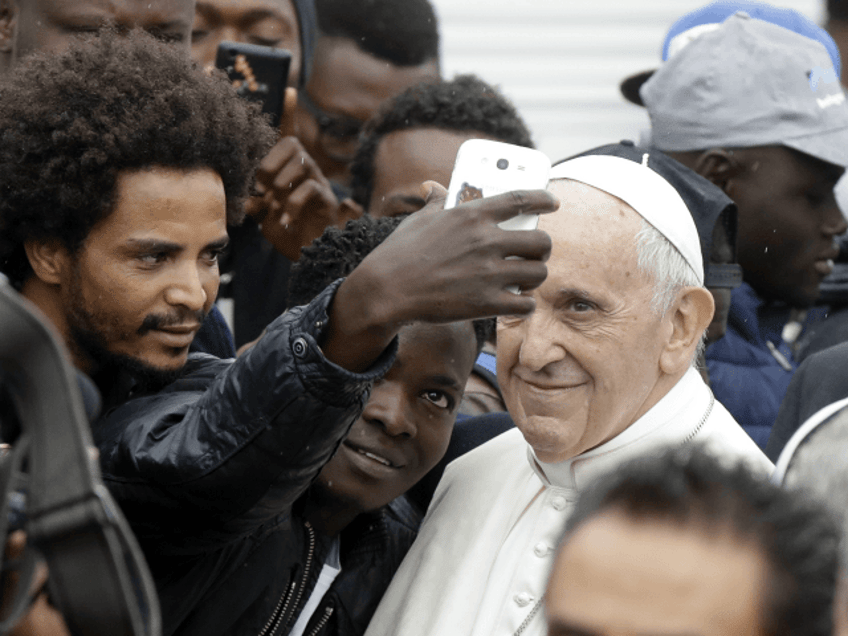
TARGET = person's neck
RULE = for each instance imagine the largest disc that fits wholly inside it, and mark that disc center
(48, 299)
(328, 515)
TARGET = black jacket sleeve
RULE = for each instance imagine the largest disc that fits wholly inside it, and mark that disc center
(820, 380)
(231, 445)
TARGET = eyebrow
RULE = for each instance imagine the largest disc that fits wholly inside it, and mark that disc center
(165, 26)
(445, 381)
(159, 245)
(575, 292)
(259, 14)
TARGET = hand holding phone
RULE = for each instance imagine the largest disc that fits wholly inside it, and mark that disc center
(485, 168)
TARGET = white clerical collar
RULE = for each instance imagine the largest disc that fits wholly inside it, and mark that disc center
(672, 420)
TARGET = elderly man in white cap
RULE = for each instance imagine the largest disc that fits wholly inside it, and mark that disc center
(601, 372)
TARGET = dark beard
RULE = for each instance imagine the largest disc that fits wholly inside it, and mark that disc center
(89, 343)
(108, 363)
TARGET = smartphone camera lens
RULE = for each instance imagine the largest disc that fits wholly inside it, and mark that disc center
(502, 164)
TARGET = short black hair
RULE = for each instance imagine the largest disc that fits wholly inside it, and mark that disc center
(403, 32)
(464, 104)
(71, 122)
(691, 488)
(336, 253)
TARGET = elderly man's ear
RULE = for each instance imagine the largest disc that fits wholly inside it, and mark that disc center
(689, 316)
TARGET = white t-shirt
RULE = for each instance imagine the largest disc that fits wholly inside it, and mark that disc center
(329, 572)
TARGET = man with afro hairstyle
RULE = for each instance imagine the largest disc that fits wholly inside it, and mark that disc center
(121, 164)
(416, 135)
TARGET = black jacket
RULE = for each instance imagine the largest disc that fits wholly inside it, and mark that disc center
(208, 470)
(820, 380)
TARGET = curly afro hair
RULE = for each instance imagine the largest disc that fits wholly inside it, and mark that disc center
(465, 104)
(403, 32)
(336, 253)
(70, 123)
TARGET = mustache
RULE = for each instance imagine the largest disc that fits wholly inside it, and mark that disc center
(160, 321)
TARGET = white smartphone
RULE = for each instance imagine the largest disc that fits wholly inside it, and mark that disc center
(485, 168)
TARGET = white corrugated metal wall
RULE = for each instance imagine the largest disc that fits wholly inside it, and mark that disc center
(560, 61)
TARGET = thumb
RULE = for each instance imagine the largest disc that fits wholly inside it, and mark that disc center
(433, 191)
(287, 125)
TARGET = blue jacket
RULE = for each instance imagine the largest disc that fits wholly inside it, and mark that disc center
(747, 375)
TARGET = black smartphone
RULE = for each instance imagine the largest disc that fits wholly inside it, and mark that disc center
(259, 73)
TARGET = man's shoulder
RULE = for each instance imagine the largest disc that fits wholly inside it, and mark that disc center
(723, 435)
(489, 458)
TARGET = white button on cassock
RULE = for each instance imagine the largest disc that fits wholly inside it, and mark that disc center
(541, 549)
(523, 599)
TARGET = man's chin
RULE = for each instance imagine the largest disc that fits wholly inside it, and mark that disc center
(150, 375)
(549, 437)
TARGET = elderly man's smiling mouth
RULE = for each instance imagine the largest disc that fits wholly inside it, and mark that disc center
(550, 385)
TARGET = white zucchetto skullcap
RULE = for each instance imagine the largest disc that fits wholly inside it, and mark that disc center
(651, 196)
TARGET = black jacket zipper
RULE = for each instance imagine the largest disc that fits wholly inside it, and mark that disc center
(328, 612)
(280, 616)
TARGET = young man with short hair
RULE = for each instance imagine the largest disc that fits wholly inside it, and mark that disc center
(416, 135)
(355, 509)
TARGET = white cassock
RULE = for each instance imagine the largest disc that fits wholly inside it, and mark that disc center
(481, 562)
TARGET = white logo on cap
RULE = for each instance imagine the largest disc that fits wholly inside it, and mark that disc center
(818, 74)
(679, 41)
(830, 100)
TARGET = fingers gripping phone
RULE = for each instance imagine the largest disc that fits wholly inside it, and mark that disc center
(259, 73)
(485, 168)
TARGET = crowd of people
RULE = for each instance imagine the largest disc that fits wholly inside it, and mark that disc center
(320, 403)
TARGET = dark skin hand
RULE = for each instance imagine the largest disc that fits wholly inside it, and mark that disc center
(439, 266)
(296, 201)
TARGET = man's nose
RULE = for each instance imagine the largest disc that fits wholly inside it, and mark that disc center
(834, 223)
(539, 345)
(188, 289)
(387, 408)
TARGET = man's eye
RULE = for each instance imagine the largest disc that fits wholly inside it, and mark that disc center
(256, 39)
(213, 256)
(168, 37)
(581, 306)
(154, 258)
(82, 29)
(438, 398)
(815, 198)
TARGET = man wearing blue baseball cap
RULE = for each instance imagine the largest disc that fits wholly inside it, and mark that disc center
(711, 16)
(758, 110)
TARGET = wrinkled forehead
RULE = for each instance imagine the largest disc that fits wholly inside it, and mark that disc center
(585, 208)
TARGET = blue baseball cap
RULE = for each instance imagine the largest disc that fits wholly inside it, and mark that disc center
(708, 18)
(749, 83)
